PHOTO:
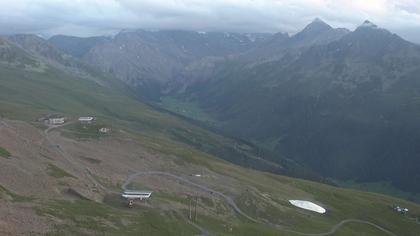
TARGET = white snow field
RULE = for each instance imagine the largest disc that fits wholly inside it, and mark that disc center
(310, 206)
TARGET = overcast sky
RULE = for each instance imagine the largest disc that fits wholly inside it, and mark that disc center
(98, 17)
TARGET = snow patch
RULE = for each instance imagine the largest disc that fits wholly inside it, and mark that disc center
(307, 205)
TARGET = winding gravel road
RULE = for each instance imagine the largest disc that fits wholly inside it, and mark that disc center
(228, 199)
(74, 163)
(336, 227)
(232, 203)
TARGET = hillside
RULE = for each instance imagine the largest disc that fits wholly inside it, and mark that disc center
(347, 107)
(76, 46)
(33, 87)
(339, 102)
(66, 180)
(78, 181)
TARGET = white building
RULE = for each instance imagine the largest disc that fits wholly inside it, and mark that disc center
(135, 195)
(56, 121)
(104, 130)
(401, 210)
(86, 119)
(132, 195)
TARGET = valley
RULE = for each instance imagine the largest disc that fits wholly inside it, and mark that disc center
(340, 103)
(226, 155)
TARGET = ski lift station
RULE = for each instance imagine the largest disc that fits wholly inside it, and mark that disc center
(86, 119)
(139, 195)
(130, 196)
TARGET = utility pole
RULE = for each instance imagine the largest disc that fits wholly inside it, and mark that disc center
(190, 208)
(195, 209)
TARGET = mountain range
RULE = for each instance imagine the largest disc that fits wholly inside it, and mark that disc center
(223, 125)
(150, 60)
(343, 103)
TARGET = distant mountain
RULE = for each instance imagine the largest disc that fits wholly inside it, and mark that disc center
(149, 60)
(46, 52)
(67, 179)
(315, 33)
(36, 80)
(344, 103)
(76, 46)
(39, 46)
(346, 107)
(278, 46)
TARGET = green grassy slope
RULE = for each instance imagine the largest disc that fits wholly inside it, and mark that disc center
(4, 153)
(29, 90)
(262, 196)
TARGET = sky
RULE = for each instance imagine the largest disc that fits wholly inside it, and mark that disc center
(104, 17)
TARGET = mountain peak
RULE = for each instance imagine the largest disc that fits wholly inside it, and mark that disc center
(319, 24)
(316, 27)
(368, 24)
(317, 32)
(318, 20)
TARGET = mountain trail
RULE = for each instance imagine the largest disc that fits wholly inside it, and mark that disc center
(232, 203)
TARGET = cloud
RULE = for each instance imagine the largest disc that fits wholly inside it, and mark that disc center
(91, 17)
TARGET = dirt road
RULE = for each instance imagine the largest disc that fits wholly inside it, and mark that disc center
(86, 171)
(232, 203)
(336, 227)
(76, 165)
